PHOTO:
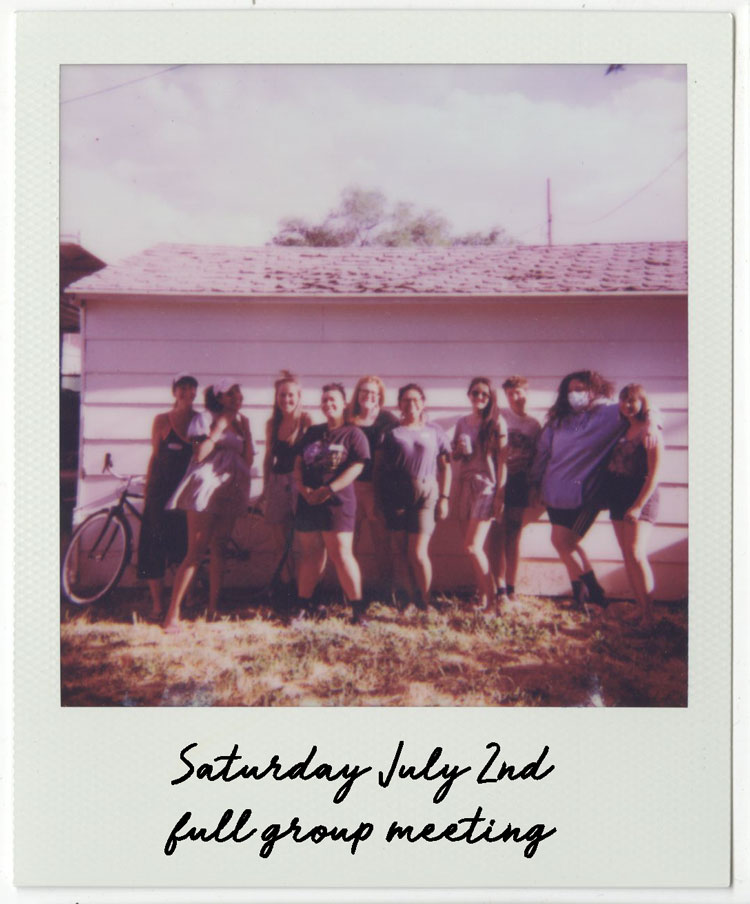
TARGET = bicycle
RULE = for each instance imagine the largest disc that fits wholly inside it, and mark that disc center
(101, 547)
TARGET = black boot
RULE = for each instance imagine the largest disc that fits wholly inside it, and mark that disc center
(359, 607)
(577, 595)
(595, 589)
(305, 606)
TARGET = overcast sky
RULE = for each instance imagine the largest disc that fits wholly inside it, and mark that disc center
(219, 154)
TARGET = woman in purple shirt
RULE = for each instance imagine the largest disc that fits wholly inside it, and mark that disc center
(413, 482)
(581, 429)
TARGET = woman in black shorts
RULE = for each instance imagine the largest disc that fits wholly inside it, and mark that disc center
(330, 458)
(163, 537)
(581, 429)
(632, 494)
(414, 484)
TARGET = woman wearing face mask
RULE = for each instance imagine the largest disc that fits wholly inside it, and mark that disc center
(286, 426)
(579, 433)
(214, 492)
(163, 537)
(479, 448)
(414, 483)
(366, 412)
(632, 494)
(330, 458)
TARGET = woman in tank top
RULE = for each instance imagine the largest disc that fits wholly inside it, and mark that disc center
(366, 411)
(631, 492)
(479, 448)
(163, 536)
(214, 492)
(284, 429)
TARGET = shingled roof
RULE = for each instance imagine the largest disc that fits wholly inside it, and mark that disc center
(227, 271)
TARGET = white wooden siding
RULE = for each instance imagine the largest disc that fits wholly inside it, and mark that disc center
(132, 349)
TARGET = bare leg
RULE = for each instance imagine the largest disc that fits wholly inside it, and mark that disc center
(635, 536)
(420, 564)
(566, 545)
(312, 563)
(627, 557)
(474, 537)
(512, 526)
(400, 571)
(156, 589)
(221, 532)
(200, 527)
(496, 552)
(339, 547)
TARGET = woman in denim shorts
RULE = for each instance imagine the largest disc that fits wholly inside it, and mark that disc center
(479, 447)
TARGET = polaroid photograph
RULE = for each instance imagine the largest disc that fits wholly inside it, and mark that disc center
(393, 450)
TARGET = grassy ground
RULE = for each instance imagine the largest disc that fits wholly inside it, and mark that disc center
(535, 654)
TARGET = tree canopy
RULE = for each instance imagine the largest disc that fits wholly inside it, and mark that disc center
(364, 218)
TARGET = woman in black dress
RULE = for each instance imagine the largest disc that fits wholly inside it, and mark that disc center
(163, 537)
(284, 429)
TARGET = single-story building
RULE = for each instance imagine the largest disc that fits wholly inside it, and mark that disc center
(75, 263)
(435, 315)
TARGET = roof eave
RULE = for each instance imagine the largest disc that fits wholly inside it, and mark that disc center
(344, 297)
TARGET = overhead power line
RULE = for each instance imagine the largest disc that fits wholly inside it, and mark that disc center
(132, 81)
(631, 197)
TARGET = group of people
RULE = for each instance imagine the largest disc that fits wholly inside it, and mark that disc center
(366, 471)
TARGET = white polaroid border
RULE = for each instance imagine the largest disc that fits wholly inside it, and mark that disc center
(640, 798)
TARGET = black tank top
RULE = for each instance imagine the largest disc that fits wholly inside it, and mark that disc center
(284, 454)
(170, 463)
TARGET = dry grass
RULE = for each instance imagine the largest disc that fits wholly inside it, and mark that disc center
(536, 654)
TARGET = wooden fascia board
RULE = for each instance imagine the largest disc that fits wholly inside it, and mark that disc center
(374, 299)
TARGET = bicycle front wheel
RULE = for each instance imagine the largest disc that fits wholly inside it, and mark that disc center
(98, 554)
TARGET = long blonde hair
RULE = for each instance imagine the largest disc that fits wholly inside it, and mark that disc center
(301, 417)
(353, 408)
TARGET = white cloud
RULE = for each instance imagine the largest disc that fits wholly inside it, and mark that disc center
(216, 152)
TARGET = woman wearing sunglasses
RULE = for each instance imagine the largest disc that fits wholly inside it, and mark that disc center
(479, 447)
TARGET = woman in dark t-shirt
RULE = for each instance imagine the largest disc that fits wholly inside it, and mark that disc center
(330, 458)
(414, 484)
(366, 412)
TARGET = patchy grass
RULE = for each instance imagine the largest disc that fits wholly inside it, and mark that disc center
(534, 654)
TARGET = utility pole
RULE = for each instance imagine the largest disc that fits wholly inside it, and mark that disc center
(549, 217)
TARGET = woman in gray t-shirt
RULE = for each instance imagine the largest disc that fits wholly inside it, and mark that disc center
(479, 447)
(413, 481)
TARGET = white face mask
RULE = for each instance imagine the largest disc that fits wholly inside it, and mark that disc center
(578, 400)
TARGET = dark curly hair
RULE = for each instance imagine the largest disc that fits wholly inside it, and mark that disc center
(592, 380)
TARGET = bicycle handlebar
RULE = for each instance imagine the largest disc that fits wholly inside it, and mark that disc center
(108, 468)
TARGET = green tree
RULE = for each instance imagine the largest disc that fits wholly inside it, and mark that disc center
(363, 218)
